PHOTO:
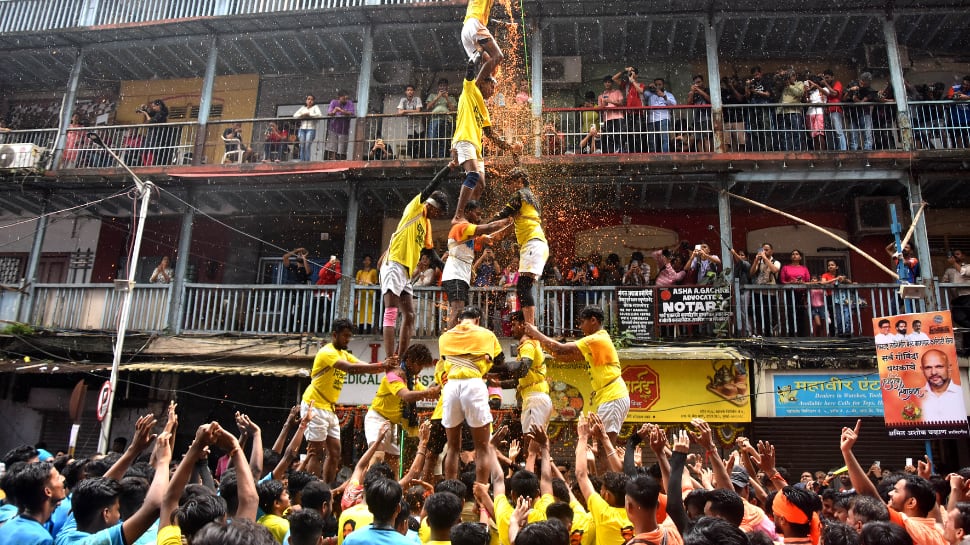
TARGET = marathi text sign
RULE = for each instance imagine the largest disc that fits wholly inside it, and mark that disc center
(693, 304)
(636, 311)
(661, 390)
(921, 388)
(827, 394)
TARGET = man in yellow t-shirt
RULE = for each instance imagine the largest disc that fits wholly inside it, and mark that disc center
(471, 123)
(606, 506)
(412, 235)
(529, 382)
(525, 210)
(611, 399)
(475, 37)
(330, 368)
(394, 401)
(470, 350)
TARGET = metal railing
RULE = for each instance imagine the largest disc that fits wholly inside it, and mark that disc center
(257, 309)
(412, 136)
(816, 311)
(669, 129)
(138, 145)
(278, 139)
(98, 307)
(811, 127)
(40, 15)
(758, 310)
(940, 124)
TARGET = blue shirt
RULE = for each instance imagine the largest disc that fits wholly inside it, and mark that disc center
(376, 536)
(108, 536)
(7, 512)
(59, 516)
(24, 531)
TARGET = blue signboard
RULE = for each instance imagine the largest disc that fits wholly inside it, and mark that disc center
(827, 394)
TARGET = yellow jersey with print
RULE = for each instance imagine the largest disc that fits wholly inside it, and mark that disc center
(352, 519)
(504, 510)
(479, 9)
(534, 381)
(169, 535)
(440, 378)
(412, 235)
(582, 532)
(603, 366)
(612, 524)
(386, 402)
(326, 381)
(525, 210)
(472, 116)
(469, 349)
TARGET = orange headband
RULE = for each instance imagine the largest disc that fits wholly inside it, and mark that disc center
(782, 506)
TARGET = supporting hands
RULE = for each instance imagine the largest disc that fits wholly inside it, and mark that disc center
(767, 461)
(658, 440)
(703, 436)
(143, 433)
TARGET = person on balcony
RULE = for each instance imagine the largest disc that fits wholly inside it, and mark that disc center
(308, 116)
(632, 89)
(796, 301)
(742, 273)
(732, 94)
(413, 126)
(273, 149)
(613, 121)
(232, 136)
(862, 95)
(158, 137)
(706, 264)
(341, 109)
(700, 97)
(910, 263)
(366, 276)
(440, 127)
(667, 275)
(832, 89)
(296, 273)
(162, 273)
(659, 99)
(764, 270)
(961, 112)
(791, 117)
(840, 299)
(759, 121)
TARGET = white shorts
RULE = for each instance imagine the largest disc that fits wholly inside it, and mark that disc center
(323, 425)
(466, 152)
(471, 32)
(465, 400)
(395, 279)
(372, 427)
(613, 414)
(533, 256)
(337, 143)
(536, 409)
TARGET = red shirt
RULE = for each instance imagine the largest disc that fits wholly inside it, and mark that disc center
(837, 87)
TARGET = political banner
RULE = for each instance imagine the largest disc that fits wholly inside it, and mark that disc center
(661, 390)
(827, 394)
(921, 388)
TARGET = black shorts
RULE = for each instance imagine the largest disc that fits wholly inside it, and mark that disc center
(438, 439)
(456, 290)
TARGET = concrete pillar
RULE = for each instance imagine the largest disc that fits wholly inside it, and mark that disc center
(536, 55)
(714, 81)
(205, 101)
(920, 240)
(725, 225)
(899, 84)
(33, 260)
(176, 301)
(67, 109)
(345, 303)
(363, 95)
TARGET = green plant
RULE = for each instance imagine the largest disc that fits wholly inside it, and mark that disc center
(18, 329)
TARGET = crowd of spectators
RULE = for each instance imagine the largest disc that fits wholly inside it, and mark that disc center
(662, 487)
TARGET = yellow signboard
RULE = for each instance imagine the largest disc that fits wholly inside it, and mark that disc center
(661, 390)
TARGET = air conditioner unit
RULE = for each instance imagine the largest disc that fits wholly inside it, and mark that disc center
(20, 155)
(562, 70)
(393, 73)
(872, 214)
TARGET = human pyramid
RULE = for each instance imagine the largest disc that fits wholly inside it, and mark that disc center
(487, 494)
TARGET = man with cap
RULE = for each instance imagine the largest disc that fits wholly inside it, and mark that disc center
(754, 517)
(413, 234)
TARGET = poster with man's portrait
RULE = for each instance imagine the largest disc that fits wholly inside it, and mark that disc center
(922, 390)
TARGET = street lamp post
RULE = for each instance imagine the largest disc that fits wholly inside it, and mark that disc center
(144, 190)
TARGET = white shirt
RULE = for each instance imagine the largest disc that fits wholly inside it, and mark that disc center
(413, 124)
(310, 122)
(885, 338)
(461, 255)
(917, 336)
(944, 407)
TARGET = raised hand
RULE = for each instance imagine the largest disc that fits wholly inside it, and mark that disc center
(658, 441)
(522, 507)
(514, 449)
(681, 441)
(703, 436)
(143, 432)
(924, 467)
(767, 452)
(424, 432)
(850, 436)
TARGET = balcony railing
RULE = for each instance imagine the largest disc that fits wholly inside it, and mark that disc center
(779, 310)
(40, 15)
(752, 128)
